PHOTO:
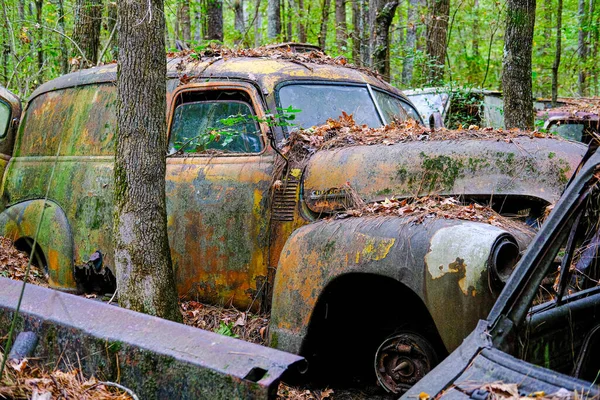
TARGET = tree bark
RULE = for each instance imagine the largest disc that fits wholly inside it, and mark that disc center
(382, 14)
(340, 25)
(556, 63)
(324, 21)
(185, 22)
(476, 31)
(112, 22)
(214, 20)
(582, 48)
(86, 28)
(239, 22)
(516, 66)
(356, 32)
(40, 38)
(411, 41)
(300, 26)
(142, 258)
(437, 35)
(257, 25)
(273, 19)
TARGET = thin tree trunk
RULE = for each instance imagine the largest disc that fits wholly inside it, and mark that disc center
(356, 32)
(86, 29)
(185, 23)
(288, 19)
(239, 21)
(257, 25)
(21, 9)
(556, 64)
(273, 19)
(142, 259)
(40, 38)
(198, 31)
(437, 35)
(214, 20)
(300, 27)
(582, 48)
(411, 40)
(340, 25)
(64, 52)
(476, 31)
(382, 14)
(516, 67)
(366, 33)
(324, 21)
(112, 22)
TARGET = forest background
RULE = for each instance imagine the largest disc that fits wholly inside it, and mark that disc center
(41, 40)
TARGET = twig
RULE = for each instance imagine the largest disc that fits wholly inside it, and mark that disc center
(112, 34)
(113, 384)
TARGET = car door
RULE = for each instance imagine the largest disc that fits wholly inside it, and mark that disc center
(219, 173)
(10, 114)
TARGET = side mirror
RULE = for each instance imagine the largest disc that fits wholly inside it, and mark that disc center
(436, 121)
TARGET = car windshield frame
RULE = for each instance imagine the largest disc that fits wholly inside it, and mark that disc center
(370, 89)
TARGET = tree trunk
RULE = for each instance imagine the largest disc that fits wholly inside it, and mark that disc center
(239, 21)
(214, 20)
(476, 31)
(516, 66)
(198, 31)
(382, 15)
(288, 19)
(557, 54)
(582, 48)
(86, 28)
(356, 32)
(184, 20)
(142, 258)
(112, 23)
(257, 25)
(437, 35)
(300, 25)
(411, 41)
(324, 21)
(366, 33)
(273, 19)
(340, 25)
(40, 38)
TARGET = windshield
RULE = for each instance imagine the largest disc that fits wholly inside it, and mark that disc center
(318, 103)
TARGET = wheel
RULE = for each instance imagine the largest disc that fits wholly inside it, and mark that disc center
(402, 360)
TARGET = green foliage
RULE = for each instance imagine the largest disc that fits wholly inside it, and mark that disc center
(226, 329)
(35, 51)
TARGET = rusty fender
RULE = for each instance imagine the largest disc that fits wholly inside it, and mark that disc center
(54, 238)
(445, 262)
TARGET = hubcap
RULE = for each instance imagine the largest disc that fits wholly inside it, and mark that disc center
(401, 360)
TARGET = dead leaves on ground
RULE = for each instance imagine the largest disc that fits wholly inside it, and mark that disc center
(13, 264)
(228, 321)
(285, 392)
(26, 380)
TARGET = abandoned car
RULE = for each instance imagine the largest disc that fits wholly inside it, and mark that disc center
(343, 292)
(542, 335)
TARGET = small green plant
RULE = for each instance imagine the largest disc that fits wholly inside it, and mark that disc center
(226, 329)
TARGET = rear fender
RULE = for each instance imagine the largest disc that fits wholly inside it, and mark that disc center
(444, 262)
(54, 238)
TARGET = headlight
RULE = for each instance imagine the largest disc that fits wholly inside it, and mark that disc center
(504, 256)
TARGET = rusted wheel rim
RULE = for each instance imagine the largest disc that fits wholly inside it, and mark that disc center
(401, 360)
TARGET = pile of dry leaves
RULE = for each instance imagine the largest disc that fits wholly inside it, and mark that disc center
(344, 132)
(13, 264)
(226, 321)
(420, 209)
(27, 380)
(215, 52)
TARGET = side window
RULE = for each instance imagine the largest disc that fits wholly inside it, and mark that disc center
(394, 108)
(214, 122)
(4, 118)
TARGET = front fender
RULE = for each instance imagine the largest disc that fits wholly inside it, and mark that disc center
(54, 238)
(444, 262)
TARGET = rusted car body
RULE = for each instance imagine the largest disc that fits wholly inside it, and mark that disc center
(237, 240)
(541, 338)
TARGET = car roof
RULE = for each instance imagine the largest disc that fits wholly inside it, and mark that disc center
(267, 72)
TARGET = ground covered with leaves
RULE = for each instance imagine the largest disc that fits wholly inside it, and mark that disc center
(28, 379)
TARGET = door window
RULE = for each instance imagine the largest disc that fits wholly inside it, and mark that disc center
(214, 123)
(4, 118)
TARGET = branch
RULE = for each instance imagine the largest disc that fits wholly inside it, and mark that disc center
(112, 34)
